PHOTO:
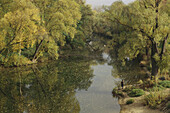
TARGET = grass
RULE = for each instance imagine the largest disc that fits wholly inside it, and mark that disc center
(155, 98)
(136, 93)
(165, 83)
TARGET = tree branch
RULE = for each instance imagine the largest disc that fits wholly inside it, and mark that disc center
(135, 29)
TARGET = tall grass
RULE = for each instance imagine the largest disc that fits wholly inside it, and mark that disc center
(155, 98)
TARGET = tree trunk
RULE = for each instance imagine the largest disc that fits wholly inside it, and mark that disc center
(163, 46)
(155, 67)
(37, 50)
(154, 48)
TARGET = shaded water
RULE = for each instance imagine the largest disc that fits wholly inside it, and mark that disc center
(68, 86)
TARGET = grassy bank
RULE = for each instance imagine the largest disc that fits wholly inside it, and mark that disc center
(144, 97)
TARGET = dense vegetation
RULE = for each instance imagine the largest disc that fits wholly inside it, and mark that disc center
(34, 29)
(31, 30)
(139, 29)
(135, 35)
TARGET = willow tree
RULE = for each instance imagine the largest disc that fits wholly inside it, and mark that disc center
(148, 23)
(59, 19)
(18, 25)
(84, 27)
(30, 29)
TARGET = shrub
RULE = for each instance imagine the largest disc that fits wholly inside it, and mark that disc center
(136, 93)
(130, 101)
(165, 83)
(116, 92)
(154, 98)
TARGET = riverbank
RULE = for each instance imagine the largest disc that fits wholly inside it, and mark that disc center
(133, 99)
(138, 105)
(66, 54)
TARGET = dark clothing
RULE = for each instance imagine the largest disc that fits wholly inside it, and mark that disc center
(122, 83)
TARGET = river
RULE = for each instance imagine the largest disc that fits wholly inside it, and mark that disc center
(98, 98)
(72, 85)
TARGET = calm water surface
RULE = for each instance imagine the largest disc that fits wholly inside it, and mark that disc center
(98, 97)
(73, 85)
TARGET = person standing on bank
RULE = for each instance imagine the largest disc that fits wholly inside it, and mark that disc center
(122, 84)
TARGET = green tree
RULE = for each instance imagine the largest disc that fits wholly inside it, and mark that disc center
(148, 24)
(84, 27)
(59, 18)
(33, 29)
(17, 29)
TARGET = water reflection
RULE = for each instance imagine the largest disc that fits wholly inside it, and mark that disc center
(98, 98)
(131, 72)
(47, 88)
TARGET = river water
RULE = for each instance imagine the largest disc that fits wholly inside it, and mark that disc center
(98, 97)
(72, 85)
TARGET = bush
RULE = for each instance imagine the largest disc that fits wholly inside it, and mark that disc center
(165, 83)
(154, 98)
(130, 101)
(116, 92)
(136, 93)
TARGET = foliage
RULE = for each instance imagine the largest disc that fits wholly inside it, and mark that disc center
(154, 98)
(165, 83)
(157, 87)
(35, 27)
(130, 101)
(59, 19)
(84, 28)
(148, 83)
(136, 93)
(116, 92)
(128, 89)
(140, 28)
(17, 32)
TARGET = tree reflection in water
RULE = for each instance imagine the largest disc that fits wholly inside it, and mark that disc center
(131, 72)
(45, 88)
